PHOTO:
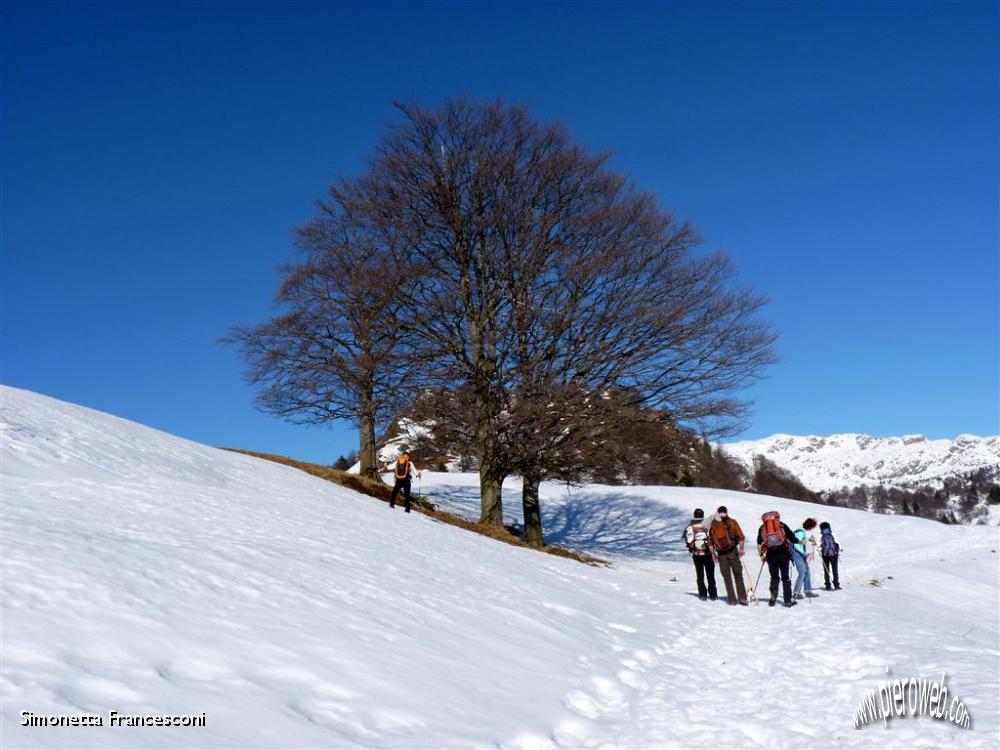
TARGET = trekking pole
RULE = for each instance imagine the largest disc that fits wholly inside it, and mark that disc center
(762, 561)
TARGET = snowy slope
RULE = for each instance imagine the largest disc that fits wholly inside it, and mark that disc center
(850, 460)
(148, 574)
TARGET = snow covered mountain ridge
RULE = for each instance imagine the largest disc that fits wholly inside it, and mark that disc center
(830, 463)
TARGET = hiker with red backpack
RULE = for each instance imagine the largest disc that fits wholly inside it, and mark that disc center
(695, 535)
(402, 472)
(774, 541)
(830, 550)
(727, 541)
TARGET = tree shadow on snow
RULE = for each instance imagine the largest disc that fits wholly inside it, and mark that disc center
(616, 524)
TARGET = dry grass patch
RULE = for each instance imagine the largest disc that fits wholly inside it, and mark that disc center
(381, 491)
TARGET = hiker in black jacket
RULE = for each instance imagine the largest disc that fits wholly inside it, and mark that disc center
(774, 541)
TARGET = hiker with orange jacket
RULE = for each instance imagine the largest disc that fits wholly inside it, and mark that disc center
(695, 535)
(402, 472)
(727, 541)
(774, 541)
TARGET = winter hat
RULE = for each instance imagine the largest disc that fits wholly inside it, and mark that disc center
(824, 526)
(698, 513)
(722, 509)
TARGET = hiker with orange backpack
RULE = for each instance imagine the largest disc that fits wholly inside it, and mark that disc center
(726, 538)
(695, 535)
(402, 472)
(774, 540)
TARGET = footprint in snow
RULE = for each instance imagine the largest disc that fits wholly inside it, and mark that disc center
(632, 679)
(623, 628)
(582, 704)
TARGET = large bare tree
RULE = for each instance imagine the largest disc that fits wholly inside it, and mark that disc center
(547, 274)
(536, 281)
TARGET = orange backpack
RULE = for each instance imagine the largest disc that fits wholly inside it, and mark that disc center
(402, 467)
(720, 536)
(773, 534)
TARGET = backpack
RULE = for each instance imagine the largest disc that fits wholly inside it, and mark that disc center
(697, 539)
(773, 534)
(828, 546)
(720, 536)
(402, 468)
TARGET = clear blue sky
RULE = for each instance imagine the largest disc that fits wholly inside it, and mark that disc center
(155, 158)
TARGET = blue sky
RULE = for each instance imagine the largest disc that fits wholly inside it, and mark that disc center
(155, 158)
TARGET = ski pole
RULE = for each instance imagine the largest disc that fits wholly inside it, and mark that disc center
(762, 561)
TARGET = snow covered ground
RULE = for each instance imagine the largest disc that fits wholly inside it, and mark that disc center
(147, 574)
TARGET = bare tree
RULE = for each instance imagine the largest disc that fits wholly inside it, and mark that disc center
(539, 282)
(547, 279)
(339, 349)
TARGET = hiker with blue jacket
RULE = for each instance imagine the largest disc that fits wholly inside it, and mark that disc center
(774, 542)
(803, 549)
(830, 551)
(695, 536)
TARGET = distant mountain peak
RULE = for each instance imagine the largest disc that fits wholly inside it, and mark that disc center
(851, 459)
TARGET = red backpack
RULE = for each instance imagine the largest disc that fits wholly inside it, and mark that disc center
(772, 534)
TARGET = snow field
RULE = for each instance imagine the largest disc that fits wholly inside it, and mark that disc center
(148, 574)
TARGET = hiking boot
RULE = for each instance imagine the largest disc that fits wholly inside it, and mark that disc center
(771, 602)
(827, 587)
(392, 505)
(836, 587)
(714, 597)
(743, 602)
(800, 596)
(811, 595)
(792, 603)
(703, 597)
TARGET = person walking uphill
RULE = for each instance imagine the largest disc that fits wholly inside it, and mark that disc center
(726, 538)
(774, 540)
(402, 472)
(696, 537)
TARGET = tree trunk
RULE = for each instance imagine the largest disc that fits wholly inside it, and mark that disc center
(491, 476)
(366, 437)
(532, 511)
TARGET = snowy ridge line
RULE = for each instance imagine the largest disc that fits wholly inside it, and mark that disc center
(847, 460)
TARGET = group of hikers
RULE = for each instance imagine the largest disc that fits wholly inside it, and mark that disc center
(721, 540)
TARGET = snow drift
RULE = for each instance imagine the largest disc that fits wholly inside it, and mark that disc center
(147, 574)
